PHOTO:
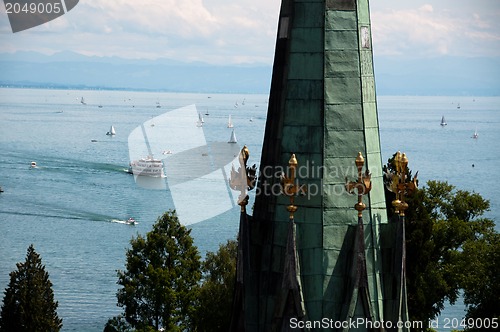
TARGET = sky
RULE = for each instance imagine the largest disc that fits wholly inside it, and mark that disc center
(244, 31)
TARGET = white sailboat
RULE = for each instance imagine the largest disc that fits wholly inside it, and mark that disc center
(83, 101)
(475, 135)
(111, 131)
(200, 118)
(230, 122)
(443, 121)
(232, 139)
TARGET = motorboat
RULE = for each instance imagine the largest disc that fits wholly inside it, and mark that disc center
(148, 166)
(33, 164)
(131, 221)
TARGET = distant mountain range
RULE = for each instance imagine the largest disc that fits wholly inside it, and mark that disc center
(394, 76)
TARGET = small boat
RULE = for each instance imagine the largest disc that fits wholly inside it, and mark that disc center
(148, 166)
(230, 122)
(82, 101)
(100, 106)
(251, 119)
(1, 190)
(33, 164)
(475, 135)
(93, 140)
(443, 121)
(200, 118)
(131, 221)
(458, 106)
(199, 123)
(111, 131)
(232, 139)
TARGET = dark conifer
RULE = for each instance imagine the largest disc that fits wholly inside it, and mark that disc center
(29, 300)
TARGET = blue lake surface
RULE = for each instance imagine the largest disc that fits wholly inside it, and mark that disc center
(69, 206)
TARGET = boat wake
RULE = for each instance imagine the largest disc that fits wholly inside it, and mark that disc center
(125, 222)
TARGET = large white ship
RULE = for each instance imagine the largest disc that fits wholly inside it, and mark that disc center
(147, 166)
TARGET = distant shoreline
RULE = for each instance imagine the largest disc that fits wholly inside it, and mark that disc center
(101, 88)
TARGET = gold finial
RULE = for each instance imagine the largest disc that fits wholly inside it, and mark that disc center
(360, 161)
(399, 184)
(243, 179)
(363, 185)
(289, 185)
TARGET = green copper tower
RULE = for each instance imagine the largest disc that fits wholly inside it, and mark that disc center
(308, 255)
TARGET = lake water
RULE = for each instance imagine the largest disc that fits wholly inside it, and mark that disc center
(69, 206)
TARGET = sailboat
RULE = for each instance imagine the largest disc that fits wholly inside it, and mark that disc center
(200, 118)
(232, 139)
(443, 121)
(111, 131)
(83, 101)
(230, 122)
(475, 135)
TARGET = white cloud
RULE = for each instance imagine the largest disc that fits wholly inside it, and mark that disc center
(426, 31)
(427, 8)
(218, 31)
(229, 31)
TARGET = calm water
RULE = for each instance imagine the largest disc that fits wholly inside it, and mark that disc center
(68, 205)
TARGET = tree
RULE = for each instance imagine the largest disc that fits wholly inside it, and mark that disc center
(216, 292)
(29, 303)
(117, 324)
(160, 282)
(481, 283)
(444, 231)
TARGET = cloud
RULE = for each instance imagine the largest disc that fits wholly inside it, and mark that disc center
(427, 8)
(200, 30)
(216, 31)
(427, 31)
(244, 31)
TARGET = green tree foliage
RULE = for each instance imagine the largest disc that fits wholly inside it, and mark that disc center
(29, 303)
(449, 245)
(481, 283)
(117, 324)
(216, 293)
(160, 282)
